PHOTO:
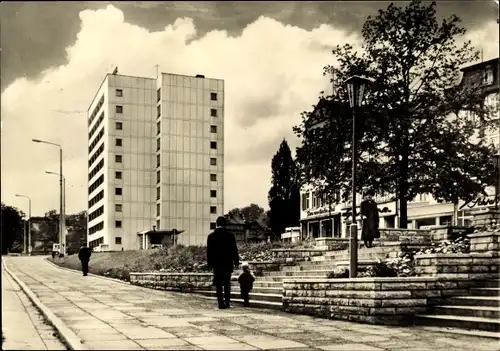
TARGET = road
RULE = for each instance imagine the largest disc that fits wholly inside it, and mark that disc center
(106, 314)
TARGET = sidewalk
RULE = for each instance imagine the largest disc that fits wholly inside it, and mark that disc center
(22, 325)
(110, 315)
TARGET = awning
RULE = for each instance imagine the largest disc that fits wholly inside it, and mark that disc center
(161, 232)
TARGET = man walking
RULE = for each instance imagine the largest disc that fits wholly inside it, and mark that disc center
(222, 256)
(84, 257)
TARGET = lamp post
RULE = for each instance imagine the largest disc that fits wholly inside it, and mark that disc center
(29, 225)
(497, 179)
(64, 194)
(355, 89)
(62, 221)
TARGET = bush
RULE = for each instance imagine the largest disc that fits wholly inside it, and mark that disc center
(338, 273)
(460, 245)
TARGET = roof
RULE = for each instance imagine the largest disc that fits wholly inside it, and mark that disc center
(480, 65)
(161, 232)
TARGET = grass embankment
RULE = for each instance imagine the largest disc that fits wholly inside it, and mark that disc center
(119, 264)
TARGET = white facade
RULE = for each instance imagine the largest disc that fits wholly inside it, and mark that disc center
(156, 158)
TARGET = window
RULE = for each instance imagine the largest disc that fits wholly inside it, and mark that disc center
(158, 111)
(118, 158)
(213, 145)
(305, 201)
(213, 112)
(158, 128)
(119, 126)
(118, 240)
(213, 96)
(157, 209)
(119, 142)
(119, 109)
(119, 92)
(158, 177)
(118, 224)
(213, 225)
(158, 193)
(118, 191)
(158, 160)
(213, 177)
(118, 208)
(213, 193)
(488, 77)
(158, 95)
(213, 209)
(213, 161)
(158, 144)
(213, 129)
(118, 175)
(158, 224)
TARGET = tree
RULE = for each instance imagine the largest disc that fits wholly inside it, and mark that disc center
(77, 231)
(251, 213)
(419, 139)
(284, 195)
(12, 227)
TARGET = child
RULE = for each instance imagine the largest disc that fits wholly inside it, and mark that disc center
(246, 280)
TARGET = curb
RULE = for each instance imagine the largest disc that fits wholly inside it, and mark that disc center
(90, 274)
(68, 337)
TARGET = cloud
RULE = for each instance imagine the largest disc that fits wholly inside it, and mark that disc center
(272, 73)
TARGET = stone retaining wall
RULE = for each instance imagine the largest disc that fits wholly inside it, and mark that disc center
(173, 281)
(485, 242)
(390, 301)
(405, 235)
(464, 266)
(332, 244)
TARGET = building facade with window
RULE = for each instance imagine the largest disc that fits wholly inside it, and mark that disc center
(321, 219)
(156, 159)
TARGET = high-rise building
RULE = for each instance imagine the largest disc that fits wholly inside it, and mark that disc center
(156, 159)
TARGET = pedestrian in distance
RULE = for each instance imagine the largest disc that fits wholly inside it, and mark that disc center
(53, 254)
(222, 257)
(369, 212)
(246, 280)
(84, 256)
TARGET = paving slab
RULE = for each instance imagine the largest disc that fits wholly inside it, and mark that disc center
(23, 327)
(111, 315)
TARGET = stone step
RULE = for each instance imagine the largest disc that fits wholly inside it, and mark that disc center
(470, 311)
(324, 266)
(261, 282)
(308, 273)
(462, 322)
(484, 301)
(493, 283)
(235, 295)
(458, 331)
(485, 291)
(239, 301)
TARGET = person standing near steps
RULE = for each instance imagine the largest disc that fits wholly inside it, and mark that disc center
(222, 257)
(84, 256)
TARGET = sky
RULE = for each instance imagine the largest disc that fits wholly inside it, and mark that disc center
(271, 55)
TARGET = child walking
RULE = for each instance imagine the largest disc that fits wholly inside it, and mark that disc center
(246, 280)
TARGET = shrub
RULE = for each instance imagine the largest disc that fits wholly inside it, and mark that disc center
(338, 273)
(459, 245)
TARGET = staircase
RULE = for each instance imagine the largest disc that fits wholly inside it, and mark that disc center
(268, 288)
(476, 314)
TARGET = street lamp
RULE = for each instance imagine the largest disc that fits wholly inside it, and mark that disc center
(29, 226)
(62, 221)
(497, 178)
(355, 89)
(64, 191)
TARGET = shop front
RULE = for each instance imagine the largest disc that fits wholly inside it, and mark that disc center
(321, 223)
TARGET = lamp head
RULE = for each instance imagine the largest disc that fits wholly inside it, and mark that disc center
(36, 140)
(356, 89)
(17, 195)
